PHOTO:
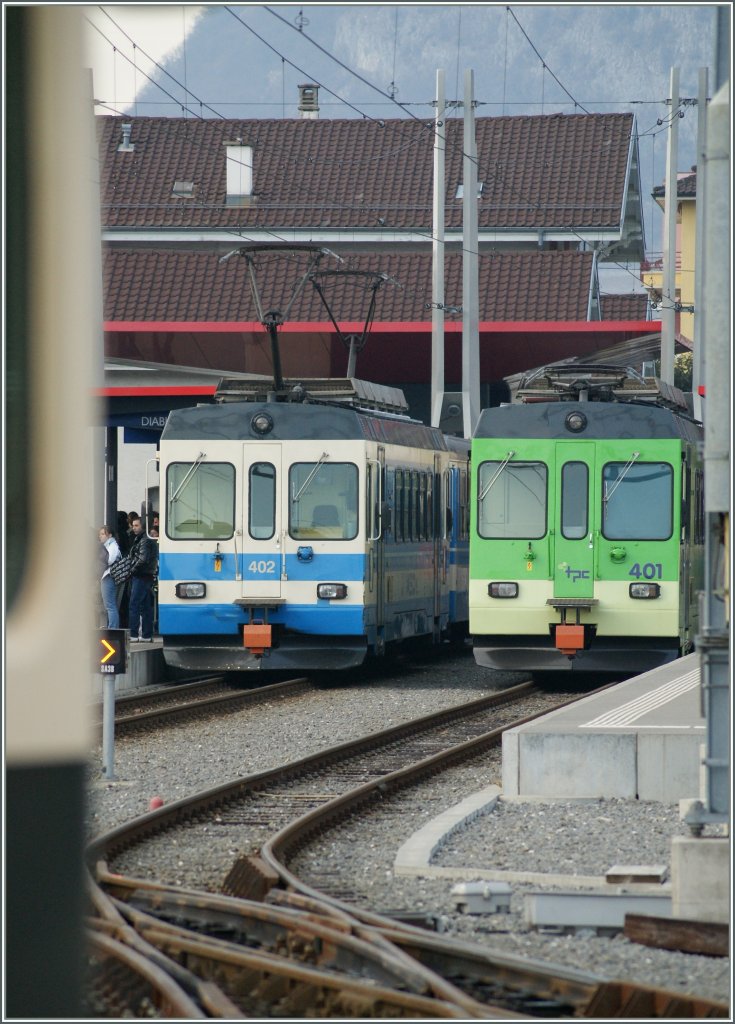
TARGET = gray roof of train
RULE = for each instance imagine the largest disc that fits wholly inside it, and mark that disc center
(604, 420)
(301, 421)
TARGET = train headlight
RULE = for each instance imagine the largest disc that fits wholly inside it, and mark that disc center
(189, 590)
(644, 591)
(262, 423)
(502, 589)
(576, 422)
(331, 591)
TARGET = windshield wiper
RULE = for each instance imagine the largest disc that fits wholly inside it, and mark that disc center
(310, 477)
(499, 470)
(619, 480)
(187, 478)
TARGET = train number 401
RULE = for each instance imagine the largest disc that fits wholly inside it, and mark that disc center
(649, 571)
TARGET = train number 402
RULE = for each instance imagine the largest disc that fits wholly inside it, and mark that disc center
(262, 567)
(649, 571)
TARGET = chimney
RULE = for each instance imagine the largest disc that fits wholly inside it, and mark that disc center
(309, 100)
(126, 146)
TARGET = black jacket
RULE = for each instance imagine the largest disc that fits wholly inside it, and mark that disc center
(145, 551)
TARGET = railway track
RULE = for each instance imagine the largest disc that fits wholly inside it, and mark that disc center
(275, 946)
(191, 700)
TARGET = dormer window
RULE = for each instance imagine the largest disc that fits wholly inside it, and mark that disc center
(459, 194)
(239, 172)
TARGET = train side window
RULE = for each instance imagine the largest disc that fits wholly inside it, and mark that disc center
(262, 501)
(406, 504)
(574, 500)
(422, 530)
(511, 500)
(201, 501)
(637, 501)
(464, 506)
(413, 502)
(399, 505)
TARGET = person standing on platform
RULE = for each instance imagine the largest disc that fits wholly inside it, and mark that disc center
(122, 591)
(140, 612)
(109, 553)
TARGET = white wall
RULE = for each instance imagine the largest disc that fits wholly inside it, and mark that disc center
(131, 475)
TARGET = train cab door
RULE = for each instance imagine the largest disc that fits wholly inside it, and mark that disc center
(437, 518)
(263, 522)
(574, 537)
(375, 539)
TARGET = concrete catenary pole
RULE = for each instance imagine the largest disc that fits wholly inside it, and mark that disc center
(700, 313)
(470, 286)
(713, 643)
(437, 251)
(668, 290)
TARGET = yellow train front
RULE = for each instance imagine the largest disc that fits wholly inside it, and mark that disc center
(586, 543)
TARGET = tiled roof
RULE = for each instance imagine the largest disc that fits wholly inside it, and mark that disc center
(686, 187)
(624, 307)
(167, 286)
(538, 172)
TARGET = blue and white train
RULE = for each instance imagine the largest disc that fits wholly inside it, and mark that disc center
(308, 533)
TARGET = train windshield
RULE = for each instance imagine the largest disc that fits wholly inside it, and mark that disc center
(201, 500)
(637, 501)
(512, 499)
(323, 500)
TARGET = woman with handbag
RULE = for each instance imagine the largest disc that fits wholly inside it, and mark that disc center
(109, 554)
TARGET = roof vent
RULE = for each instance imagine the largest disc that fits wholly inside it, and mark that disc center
(309, 100)
(126, 146)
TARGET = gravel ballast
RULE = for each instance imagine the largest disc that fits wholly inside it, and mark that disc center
(570, 837)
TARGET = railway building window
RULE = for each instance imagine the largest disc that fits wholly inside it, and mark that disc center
(262, 501)
(512, 500)
(323, 500)
(637, 502)
(574, 500)
(201, 500)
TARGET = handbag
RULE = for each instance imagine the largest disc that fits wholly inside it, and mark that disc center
(122, 569)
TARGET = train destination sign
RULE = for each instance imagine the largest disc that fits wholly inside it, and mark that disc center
(111, 651)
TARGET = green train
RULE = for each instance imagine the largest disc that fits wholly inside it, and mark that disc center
(587, 524)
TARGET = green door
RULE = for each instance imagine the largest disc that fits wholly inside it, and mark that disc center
(574, 535)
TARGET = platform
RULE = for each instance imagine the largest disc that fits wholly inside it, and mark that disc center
(640, 739)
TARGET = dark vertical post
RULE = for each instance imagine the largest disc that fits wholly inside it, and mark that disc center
(272, 323)
(111, 476)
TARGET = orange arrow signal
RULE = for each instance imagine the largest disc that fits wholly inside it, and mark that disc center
(110, 650)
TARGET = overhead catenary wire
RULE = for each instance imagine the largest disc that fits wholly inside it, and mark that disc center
(487, 174)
